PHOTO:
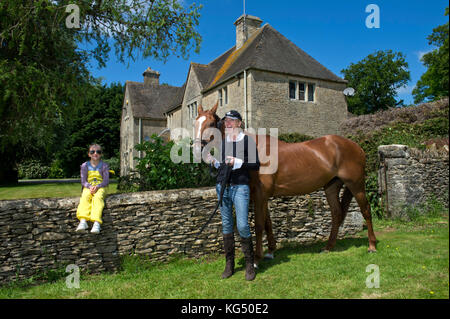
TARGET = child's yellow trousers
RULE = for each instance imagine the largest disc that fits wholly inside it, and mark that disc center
(91, 206)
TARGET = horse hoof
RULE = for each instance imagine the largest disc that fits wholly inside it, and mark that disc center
(371, 251)
(268, 256)
(255, 266)
(325, 251)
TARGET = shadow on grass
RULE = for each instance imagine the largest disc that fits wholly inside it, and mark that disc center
(286, 249)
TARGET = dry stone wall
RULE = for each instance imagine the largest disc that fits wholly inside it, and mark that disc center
(37, 235)
(409, 177)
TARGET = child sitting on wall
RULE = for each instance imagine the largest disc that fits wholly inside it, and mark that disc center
(94, 179)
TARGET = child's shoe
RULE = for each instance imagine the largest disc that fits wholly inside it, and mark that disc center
(96, 228)
(82, 225)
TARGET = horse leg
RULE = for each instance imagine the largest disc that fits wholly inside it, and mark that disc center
(259, 226)
(269, 233)
(359, 191)
(332, 193)
(345, 203)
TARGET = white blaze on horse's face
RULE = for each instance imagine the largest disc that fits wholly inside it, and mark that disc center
(198, 127)
(198, 134)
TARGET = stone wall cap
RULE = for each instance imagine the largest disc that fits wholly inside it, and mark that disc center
(159, 196)
(394, 150)
(156, 196)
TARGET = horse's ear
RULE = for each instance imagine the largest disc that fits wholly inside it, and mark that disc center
(214, 108)
(200, 109)
(219, 123)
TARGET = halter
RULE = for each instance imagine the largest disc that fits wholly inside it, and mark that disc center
(218, 125)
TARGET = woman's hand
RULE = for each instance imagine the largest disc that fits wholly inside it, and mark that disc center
(210, 158)
(229, 160)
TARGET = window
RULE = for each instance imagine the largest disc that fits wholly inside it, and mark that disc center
(305, 91)
(192, 109)
(311, 88)
(301, 91)
(225, 94)
(292, 89)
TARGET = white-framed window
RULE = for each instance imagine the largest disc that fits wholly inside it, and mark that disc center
(302, 91)
(223, 96)
(311, 92)
(292, 85)
(192, 109)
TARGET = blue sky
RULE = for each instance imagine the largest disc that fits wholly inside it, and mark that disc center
(332, 32)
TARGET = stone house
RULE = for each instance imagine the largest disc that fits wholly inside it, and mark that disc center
(143, 114)
(266, 77)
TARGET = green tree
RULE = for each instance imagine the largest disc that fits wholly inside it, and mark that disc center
(433, 84)
(96, 121)
(155, 170)
(41, 74)
(376, 80)
(42, 61)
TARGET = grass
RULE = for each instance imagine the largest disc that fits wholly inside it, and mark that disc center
(413, 261)
(53, 190)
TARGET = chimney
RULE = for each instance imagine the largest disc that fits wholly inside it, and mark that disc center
(246, 25)
(151, 77)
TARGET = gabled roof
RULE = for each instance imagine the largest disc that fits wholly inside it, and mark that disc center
(152, 101)
(267, 50)
(206, 72)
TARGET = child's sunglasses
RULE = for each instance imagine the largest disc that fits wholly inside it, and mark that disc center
(99, 152)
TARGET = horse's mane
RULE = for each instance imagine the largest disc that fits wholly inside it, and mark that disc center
(219, 124)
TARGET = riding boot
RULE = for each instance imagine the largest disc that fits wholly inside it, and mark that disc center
(228, 246)
(247, 249)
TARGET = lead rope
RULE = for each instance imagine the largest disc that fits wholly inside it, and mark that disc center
(223, 185)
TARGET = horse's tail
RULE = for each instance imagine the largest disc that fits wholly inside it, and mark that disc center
(345, 203)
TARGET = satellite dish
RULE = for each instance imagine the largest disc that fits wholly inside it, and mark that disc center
(349, 92)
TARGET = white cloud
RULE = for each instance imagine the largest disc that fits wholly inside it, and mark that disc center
(420, 54)
(406, 89)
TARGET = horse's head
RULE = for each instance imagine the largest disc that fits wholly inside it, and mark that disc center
(205, 120)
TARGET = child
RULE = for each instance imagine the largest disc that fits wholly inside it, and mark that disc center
(94, 179)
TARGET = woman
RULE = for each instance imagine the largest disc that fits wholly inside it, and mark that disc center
(238, 151)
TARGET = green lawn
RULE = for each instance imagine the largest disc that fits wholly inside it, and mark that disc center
(45, 190)
(412, 258)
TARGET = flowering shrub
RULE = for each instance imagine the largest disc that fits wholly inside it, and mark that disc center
(155, 170)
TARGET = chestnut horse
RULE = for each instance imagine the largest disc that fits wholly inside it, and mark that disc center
(330, 162)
